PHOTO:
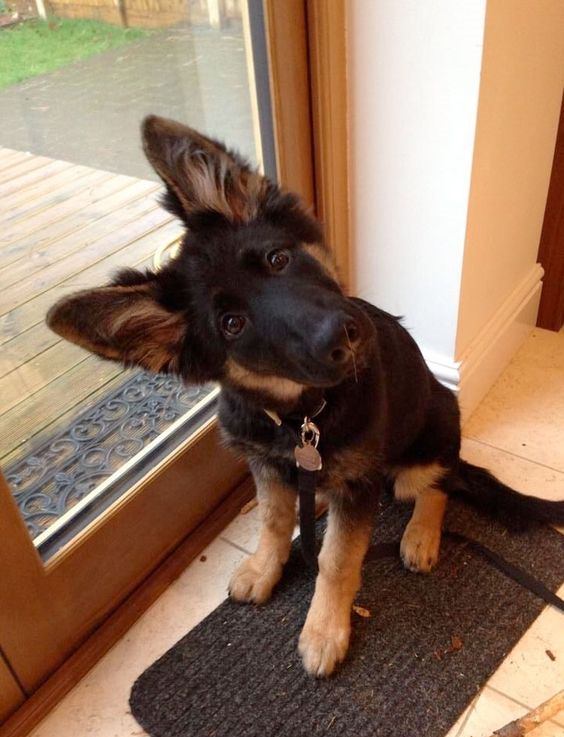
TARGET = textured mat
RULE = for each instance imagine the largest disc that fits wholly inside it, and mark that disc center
(430, 643)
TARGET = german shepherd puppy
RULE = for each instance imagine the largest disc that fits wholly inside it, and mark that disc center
(252, 301)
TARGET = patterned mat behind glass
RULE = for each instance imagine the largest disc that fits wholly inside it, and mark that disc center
(67, 466)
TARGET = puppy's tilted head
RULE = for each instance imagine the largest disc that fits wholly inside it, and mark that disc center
(251, 299)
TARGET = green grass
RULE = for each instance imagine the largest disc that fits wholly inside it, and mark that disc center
(35, 47)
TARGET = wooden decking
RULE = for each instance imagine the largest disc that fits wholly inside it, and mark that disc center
(63, 227)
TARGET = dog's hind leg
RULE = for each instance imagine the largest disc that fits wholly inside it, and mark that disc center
(422, 537)
(255, 578)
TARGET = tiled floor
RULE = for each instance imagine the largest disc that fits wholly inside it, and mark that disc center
(517, 431)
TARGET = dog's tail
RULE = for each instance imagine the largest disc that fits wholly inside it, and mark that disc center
(479, 487)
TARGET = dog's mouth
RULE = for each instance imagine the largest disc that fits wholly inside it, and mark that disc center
(353, 361)
(339, 351)
(324, 377)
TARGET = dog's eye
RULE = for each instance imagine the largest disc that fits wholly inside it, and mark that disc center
(278, 259)
(233, 325)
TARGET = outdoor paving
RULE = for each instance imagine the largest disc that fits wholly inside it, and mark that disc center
(89, 112)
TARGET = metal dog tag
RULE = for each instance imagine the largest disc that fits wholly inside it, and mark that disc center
(308, 458)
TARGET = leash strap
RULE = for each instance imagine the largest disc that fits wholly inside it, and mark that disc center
(510, 570)
(306, 487)
(378, 551)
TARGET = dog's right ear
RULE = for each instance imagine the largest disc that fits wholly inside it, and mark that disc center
(201, 174)
(124, 323)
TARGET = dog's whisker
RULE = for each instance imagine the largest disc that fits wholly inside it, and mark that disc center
(353, 354)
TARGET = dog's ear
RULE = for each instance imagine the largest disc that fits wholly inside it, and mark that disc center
(200, 173)
(123, 323)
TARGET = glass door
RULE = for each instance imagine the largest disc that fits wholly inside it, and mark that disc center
(104, 470)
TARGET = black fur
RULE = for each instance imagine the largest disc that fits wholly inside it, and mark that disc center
(385, 410)
(252, 301)
(385, 404)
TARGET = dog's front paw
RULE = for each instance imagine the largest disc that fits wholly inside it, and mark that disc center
(420, 547)
(323, 644)
(254, 582)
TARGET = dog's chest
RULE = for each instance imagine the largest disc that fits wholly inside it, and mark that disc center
(261, 441)
(255, 437)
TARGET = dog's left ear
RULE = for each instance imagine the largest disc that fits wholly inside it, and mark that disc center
(200, 172)
(122, 323)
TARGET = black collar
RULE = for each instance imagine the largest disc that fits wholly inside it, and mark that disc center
(308, 409)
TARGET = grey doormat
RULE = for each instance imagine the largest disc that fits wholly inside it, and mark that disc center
(429, 644)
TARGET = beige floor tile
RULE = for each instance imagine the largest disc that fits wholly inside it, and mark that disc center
(528, 674)
(98, 705)
(458, 726)
(515, 471)
(243, 531)
(523, 412)
(493, 710)
(543, 349)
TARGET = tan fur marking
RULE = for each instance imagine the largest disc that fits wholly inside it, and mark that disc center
(347, 465)
(259, 574)
(162, 333)
(280, 388)
(127, 325)
(215, 182)
(422, 537)
(324, 640)
(409, 481)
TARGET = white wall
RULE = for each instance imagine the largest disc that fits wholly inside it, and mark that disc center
(520, 98)
(453, 116)
(414, 73)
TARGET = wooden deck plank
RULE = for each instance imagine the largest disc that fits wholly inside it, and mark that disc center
(37, 339)
(21, 383)
(133, 203)
(72, 226)
(22, 167)
(33, 176)
(9, 157)
(33, 229)
(25, 316)
(51, 424)
(41, 192)
(19, 424)
(62, 227)
(77, 180)
(88, 186)
(63, 269)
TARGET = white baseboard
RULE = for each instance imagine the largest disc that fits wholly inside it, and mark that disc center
(489, 353)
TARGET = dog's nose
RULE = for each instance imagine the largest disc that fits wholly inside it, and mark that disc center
(337, 338)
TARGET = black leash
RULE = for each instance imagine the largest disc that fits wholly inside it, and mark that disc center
(379, 551)
(306, 487)
(509, 569)
(308, 461)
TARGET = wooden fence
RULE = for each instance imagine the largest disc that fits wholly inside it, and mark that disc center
(149, 13)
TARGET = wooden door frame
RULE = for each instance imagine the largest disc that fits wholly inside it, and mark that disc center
(327, 26)
(551, 249)
(308, 76)
(11, 694)
(170, 501)
(316, 118)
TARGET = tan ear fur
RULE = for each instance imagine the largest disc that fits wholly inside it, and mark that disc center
(201, 172)
(121, 323)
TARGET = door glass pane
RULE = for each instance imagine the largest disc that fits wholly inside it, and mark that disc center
(79, 200)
